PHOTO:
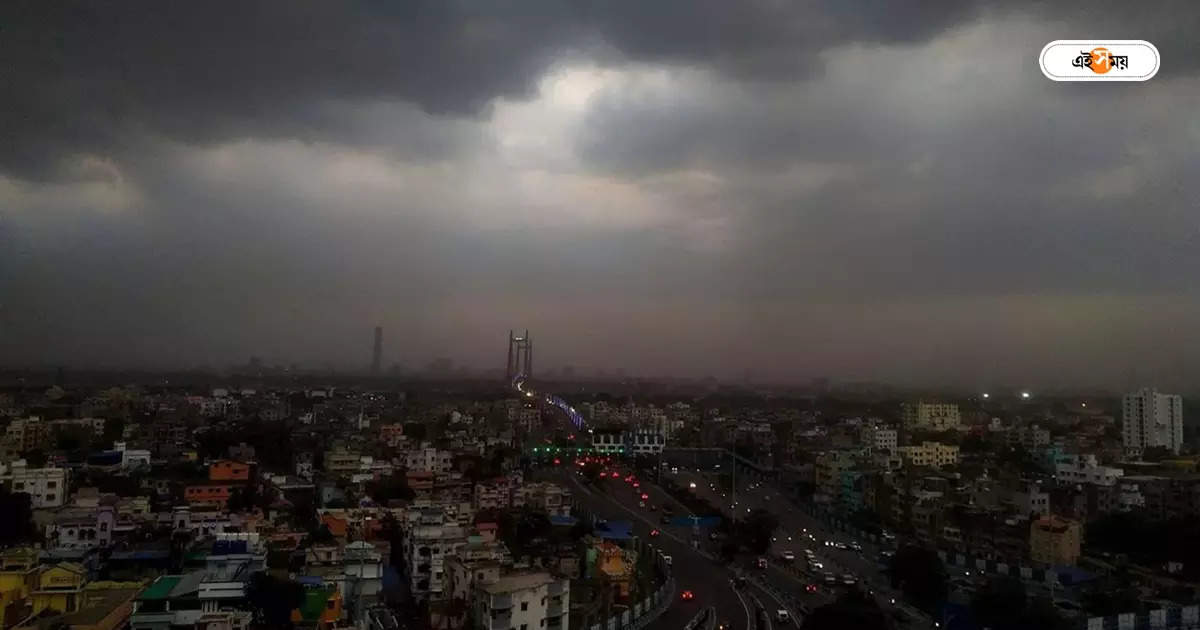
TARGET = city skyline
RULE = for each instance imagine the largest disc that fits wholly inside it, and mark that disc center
(805, 190)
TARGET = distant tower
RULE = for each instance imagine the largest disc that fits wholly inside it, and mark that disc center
(520, 357)
(377, 355)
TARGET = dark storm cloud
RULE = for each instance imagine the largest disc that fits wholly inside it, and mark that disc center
(97, 78)
(859, 189)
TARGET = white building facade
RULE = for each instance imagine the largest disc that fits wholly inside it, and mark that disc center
(1151, 419)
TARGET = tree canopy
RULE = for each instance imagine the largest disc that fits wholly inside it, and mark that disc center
(851, 610)
(919, 573)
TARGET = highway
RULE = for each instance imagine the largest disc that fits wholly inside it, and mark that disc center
(799, 531)
(709, 579)
(696, 567)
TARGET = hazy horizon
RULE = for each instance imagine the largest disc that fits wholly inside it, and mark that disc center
(887, 192)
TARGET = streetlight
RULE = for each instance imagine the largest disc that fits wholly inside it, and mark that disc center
(986, 395)
(1025, 395)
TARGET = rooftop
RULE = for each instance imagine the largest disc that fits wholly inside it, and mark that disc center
(513, 583)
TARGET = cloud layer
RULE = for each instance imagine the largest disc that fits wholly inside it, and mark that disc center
(861, 190)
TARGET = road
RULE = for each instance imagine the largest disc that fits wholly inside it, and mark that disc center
(799, 531)
(709, 579)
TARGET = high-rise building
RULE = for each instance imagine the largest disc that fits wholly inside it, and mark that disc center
(931, 416)
(1151, 419)
(377, 354)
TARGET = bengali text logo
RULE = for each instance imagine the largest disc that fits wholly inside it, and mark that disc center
(1084, 60)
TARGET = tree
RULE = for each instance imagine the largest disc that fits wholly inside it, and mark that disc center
(273, 599)
(579, 530)
(920, 574)
(591, 472)
(320, 535)
(520, 529)
(391, 487)
(974, 443)
(17, 525)
(756, 529)
(72, 438)
(243, 499)
(415, 431)
(851, 610)
(114, 430)
(1000, 604)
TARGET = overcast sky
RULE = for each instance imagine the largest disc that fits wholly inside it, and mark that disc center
(859, 189)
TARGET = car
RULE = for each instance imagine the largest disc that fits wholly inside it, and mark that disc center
(855, 546)
(849, 580)
(654, 532)
(687, 596)
(839, 545)
(762, 563)
(782, 616)
(810, 588)
(830, 579)
(739, 582)
(653, 508)
(788, 555)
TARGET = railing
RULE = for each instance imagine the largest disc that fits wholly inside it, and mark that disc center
(643, 612)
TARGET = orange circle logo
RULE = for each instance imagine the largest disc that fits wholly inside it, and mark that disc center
(1101, 60)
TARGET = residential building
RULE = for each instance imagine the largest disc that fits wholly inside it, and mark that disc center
(550, 498)
(46, 487)
(879, 439)
(102, 606)
(1085, 469)
(930, 416)
(1151, 419)
(340, 461)
(428, 540)
(27, 434)
(82, 528)
(17, 568)
(930, 454)
(429, 459)
(1030, 437)
(1032, 501)
(132, 458)
(228, 470)
(172, 601)
(828, 471)
(213, 492)
(1054, 541)
(529, 601)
